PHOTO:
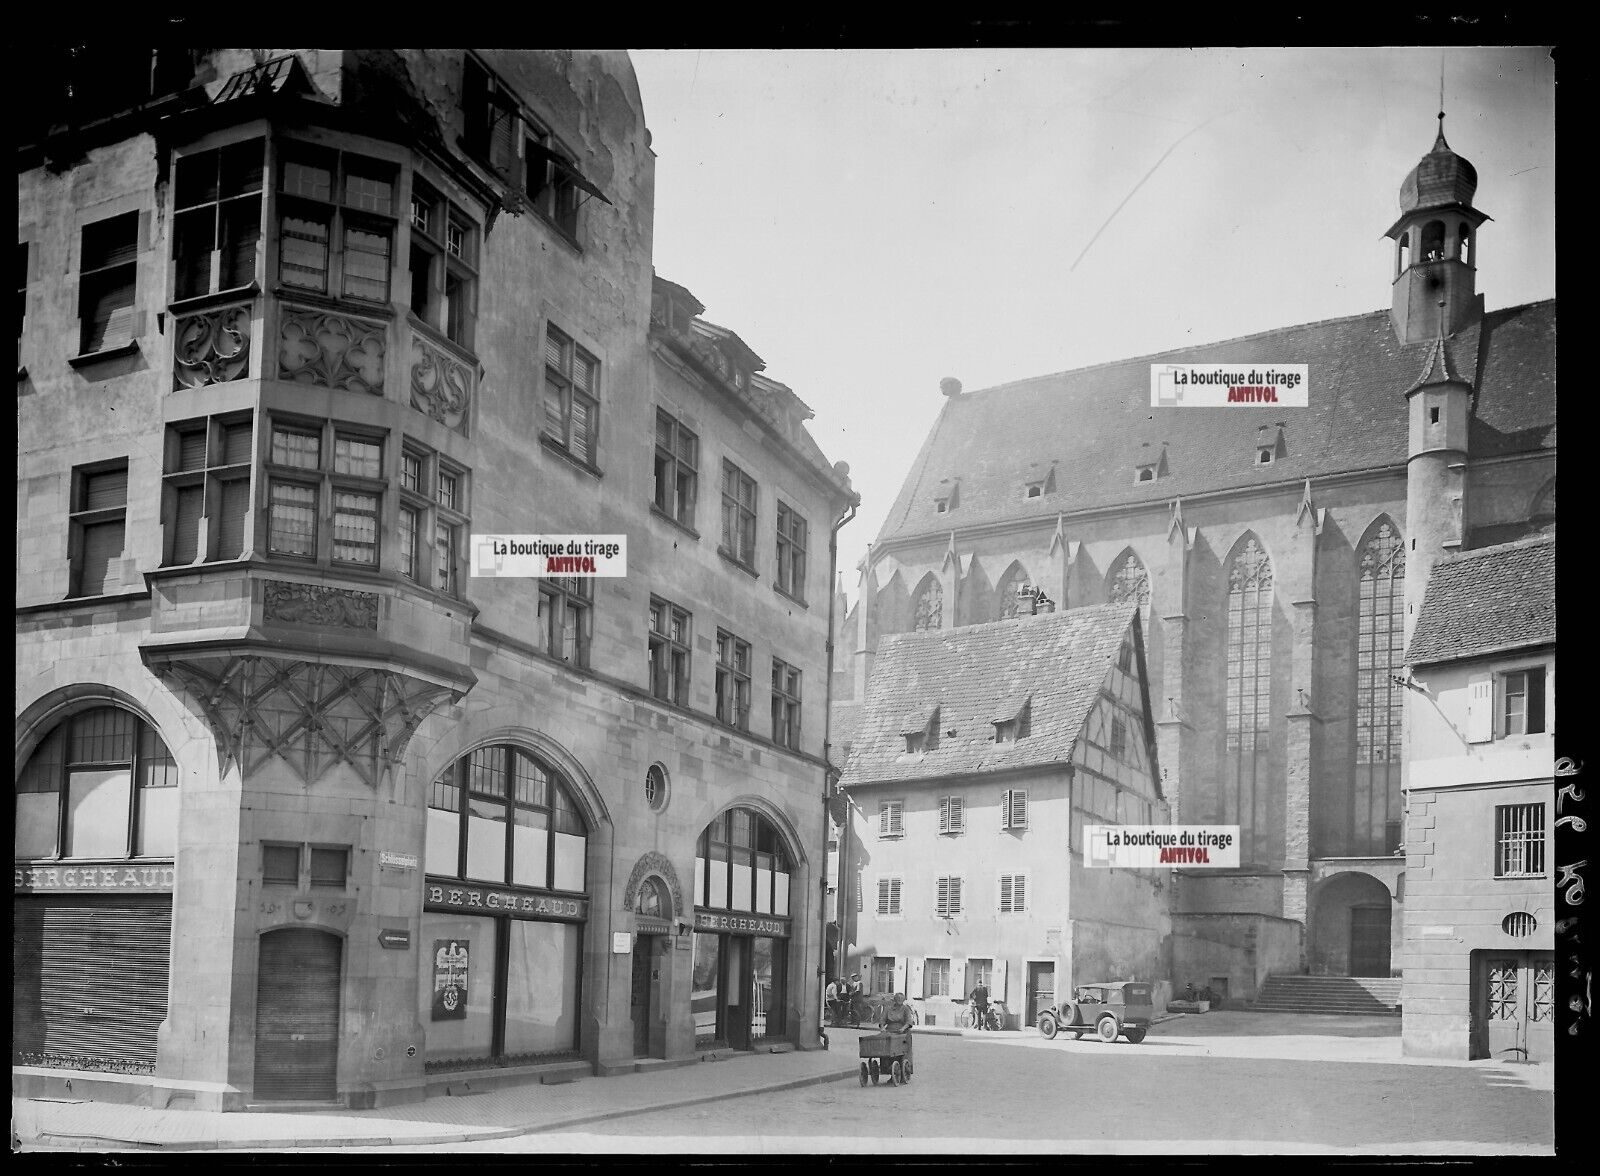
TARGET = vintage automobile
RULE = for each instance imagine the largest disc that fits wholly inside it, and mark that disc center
(1111, 1009)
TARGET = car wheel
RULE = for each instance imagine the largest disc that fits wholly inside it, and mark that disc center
(1048, 1026)
(1069, 1014)
(1134, 1035)
(1107, 1028)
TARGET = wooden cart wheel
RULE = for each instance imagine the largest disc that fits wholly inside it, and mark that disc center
(897, 1074)
(876, 1072)
(863, 1073)
(908, 1070)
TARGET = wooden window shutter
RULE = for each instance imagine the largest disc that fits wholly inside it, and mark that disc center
(1005, 809)
(1019, 809)
(1005, 893)
(1480, 710)
(894, 896)
(1019, 893)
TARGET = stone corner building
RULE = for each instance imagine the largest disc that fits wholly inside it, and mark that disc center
(1277, 557)
(305, 810)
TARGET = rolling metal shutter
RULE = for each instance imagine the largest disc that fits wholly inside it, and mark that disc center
(297, 1015)
(89, 978)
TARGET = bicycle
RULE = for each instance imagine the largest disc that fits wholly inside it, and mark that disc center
(967, 1018)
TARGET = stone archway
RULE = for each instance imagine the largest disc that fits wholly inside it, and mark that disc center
(660, 865)
(1352, 923)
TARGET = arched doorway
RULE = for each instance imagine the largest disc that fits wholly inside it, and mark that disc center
(652, 941)
(742, 873)
(1352, 926)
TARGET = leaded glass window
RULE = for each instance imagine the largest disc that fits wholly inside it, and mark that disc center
(1380, 650)
(929, 610)
(1249, 689)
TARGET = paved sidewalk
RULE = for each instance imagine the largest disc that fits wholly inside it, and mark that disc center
(495, 1114)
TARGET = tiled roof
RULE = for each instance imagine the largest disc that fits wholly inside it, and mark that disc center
(1054, 662)
(1489, 600)
(1095, 425)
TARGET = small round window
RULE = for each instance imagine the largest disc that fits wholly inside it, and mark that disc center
(1519, 923)
(655, 787)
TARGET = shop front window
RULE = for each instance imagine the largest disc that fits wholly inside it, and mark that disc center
(101, 784)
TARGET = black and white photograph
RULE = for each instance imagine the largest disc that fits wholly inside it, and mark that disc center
(978, 602)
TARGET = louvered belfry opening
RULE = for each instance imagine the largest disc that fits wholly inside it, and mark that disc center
(297, 1015)
(89, 980)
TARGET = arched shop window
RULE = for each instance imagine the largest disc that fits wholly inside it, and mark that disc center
(741, 865)
(502, 962)
(100, 785)
(501, 815)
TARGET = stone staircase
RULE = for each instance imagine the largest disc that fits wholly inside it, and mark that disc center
(1370, 996)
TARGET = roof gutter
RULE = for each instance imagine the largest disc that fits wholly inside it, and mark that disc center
(830, 774)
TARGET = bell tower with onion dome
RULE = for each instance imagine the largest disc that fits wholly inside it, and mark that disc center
(1436, 247)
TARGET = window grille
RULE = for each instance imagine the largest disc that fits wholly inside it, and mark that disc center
(1519, 841)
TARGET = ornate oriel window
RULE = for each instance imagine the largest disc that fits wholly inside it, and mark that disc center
(928, 613)
(1249, 690)
(1373, 819)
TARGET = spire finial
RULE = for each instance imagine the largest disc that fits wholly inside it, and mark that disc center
(1440, 140)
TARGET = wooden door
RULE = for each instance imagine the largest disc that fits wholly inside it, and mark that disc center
(1041, 988)
(643, 970)
(1369, 941)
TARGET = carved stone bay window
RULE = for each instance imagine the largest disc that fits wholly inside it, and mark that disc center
(205, 493)
(324, 492)
(444, 265)
(216, 226)
(336, 222)
(434, 518)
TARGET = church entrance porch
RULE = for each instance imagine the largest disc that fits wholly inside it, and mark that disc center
(1354, 917)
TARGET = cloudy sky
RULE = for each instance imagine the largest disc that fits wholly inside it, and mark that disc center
(870, 221)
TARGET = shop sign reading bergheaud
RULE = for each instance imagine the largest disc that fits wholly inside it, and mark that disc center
(754, 924)
(450, 979)
(150, 879)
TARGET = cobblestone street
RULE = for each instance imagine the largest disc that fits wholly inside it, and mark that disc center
(967, 1090)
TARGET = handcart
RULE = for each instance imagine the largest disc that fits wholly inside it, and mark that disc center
(886, 1054)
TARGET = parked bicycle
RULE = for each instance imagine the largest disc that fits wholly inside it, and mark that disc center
(853, 1011)
(967, 1017)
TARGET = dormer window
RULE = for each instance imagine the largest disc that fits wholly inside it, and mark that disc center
(1145, 473)
(1034, 490)
(941, 505)
(1015, 725)
(946, 500)
(1264, 456)
(921, 731)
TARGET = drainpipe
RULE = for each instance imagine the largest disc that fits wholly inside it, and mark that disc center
(828, 772)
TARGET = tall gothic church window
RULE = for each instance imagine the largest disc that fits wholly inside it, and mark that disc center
(1374, 820)
(1129, 583)
(1245, 779)
(929, 610)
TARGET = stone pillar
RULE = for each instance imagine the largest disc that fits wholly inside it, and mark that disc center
(1169, 594)
(1300, 578)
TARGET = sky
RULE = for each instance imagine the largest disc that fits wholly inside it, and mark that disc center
(872, 221)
